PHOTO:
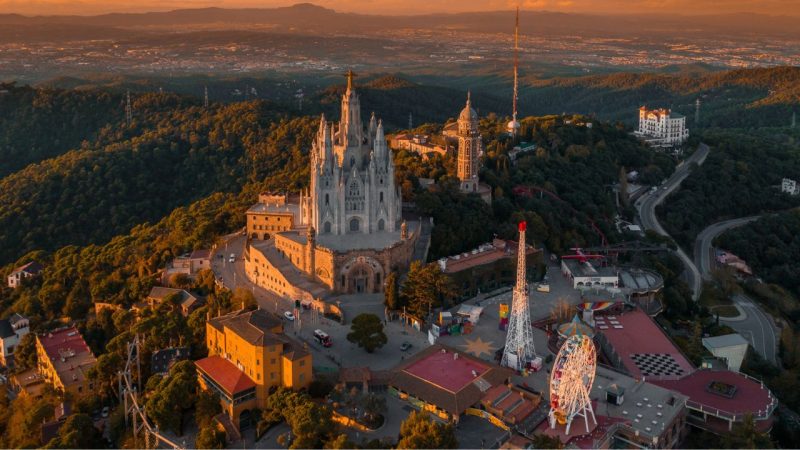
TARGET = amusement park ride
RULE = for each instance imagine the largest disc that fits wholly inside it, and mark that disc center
(571, 381)
(519, 351)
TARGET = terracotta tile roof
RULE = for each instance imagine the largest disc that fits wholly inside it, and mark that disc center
(225, 374)
(32, 267)
(441, 380)
(253, 326)
(69, 354)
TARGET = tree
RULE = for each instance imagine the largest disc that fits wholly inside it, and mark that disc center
(745, 435)
(242, 298)
(210, 437)
(419, 431)
(390, 296)
(25, 353)
(180, 280)
(206, 407)
(77, 432)
(366, 330)
(173, 396)
(426, 287)
(340, 442)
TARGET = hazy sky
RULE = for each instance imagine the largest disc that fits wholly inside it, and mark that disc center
(778, 7)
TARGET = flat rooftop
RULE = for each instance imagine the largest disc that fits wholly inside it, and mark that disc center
(588, 269)
(378, 240)
(484, 254)
(446, 371)
(642, 346)
(750, 396)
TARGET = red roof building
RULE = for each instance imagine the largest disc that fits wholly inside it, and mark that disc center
(225, 375)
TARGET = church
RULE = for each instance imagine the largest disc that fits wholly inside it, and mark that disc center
(344, 234)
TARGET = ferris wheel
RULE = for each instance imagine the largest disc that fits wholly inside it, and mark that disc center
(571, 381)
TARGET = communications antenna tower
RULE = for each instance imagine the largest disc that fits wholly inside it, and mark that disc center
(519, 349)
(513, 126)
(128, 108)
(696, 112)
(134, 412)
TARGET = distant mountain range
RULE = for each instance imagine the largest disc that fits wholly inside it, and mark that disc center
(307, 18)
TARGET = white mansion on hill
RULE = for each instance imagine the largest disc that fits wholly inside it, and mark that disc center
(662, 127)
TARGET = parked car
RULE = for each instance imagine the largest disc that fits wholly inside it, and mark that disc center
(105, 411)
(232, 258)
(289, 316)
(405, 346)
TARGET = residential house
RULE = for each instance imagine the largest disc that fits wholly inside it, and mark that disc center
(65, 361)
(11, 332)
(29, 270)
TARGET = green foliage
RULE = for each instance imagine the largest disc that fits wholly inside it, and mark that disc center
(770, 246)
(77, 432)
(366, 330)
(390, 294)
(36, 124)
(745, 435)
(210, 437)
(311, 423)
(173, 396)
(419, 431)
(206, 407)
(25, 353)
(426, 287)
(738, 178)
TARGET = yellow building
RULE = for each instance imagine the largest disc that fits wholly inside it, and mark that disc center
(273, 213)
(248, 355)
(65, 360)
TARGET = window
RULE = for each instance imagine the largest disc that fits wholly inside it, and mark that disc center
(258, 362)
(302, 377)
(381, 197)
(272, 375)
(302, 362)
(272, 361)
(327, 227)
(354, 225)
(258, 377)
(381, 224)
(327, 199)
(354, 189)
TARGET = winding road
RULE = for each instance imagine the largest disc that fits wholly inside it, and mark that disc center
(753, 323)
(646, 206)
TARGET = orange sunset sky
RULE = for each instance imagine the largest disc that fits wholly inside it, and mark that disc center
(88, 7)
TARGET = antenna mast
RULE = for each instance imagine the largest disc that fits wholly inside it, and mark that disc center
(513, 126)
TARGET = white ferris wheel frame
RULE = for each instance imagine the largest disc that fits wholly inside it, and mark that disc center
(571, 381)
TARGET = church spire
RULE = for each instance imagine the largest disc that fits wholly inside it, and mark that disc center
(380, 144)
(350, 75)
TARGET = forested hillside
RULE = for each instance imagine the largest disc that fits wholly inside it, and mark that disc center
(178, 153)
(738, 98)
(740, 177)
(771, 246)
(36, 124)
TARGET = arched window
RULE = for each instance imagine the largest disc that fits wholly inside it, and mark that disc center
(352, 161)
(381, 195)
(327, 199)
(354, 225)
(327, 227)
(377, 279)
(381, 225)
(354, 190)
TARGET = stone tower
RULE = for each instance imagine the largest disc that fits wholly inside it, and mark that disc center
(469, 148)
(352, 175)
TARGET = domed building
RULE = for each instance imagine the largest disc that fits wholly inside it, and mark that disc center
(470, 147)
